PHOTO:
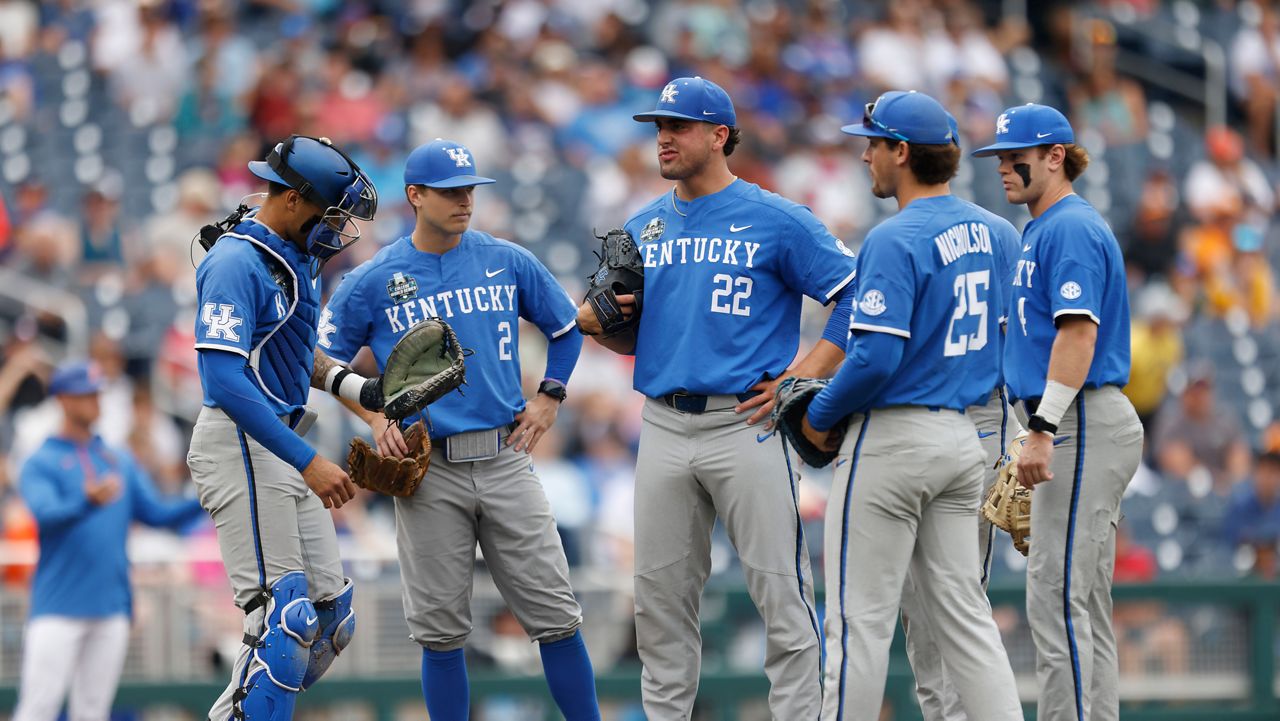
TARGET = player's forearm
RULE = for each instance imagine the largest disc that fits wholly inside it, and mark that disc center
(562, 356)
(1069, 362)
(873, 360)
(361, 412)
(332, 377)
(1072, 353)
(231, 390)
(821, 361)
(620, 344)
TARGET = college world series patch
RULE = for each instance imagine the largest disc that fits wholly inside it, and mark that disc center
(402, 287)
(652, 231)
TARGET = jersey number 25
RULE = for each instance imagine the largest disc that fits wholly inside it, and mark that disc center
(969, 302)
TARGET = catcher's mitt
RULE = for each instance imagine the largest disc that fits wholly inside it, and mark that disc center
(388, 474)
(425, 364)
(621, 272)
(790, 405)
(1008, 504)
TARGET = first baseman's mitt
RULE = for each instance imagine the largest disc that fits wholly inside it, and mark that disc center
(425, 364)
(1008, 504)
(621, 272)
(388, 474)
(789, 407)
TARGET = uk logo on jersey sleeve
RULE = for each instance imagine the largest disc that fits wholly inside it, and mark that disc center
(219, 322)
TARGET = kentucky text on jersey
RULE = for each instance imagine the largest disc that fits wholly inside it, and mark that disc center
(962, 239)
(483, 298)
(700, 250)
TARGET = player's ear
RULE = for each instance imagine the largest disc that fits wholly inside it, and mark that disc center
(902, 153)
(1055, 155)
(721, 133)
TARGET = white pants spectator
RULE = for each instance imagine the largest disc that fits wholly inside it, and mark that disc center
(62, 653)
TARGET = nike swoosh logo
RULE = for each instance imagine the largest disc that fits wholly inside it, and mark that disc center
(988, 434)
(312, 620)
(1026, 249)
(488, 274)
(1042, 135)
(841, 462)
(1059, 440)
(706, 112)
(735, 229)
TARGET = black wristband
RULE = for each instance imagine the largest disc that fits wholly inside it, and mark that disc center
(1038, 424)
(553, 388)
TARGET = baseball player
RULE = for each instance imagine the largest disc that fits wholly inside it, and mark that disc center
(1066, 359)
(726, 264)
(908, 476)
(258, 294)
(83, 495)
(996, 426)
(480, 486)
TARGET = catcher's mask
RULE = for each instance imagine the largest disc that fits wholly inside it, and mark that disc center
(327, 178)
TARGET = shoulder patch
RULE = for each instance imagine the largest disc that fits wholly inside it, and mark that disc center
(844, 248)
(652, 230)
(872, 303)
(1071, 290)
(402, 287)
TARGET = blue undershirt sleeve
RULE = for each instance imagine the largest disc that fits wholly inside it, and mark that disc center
(234, 393)
(837, 330)
(562, 356)
(872, 360)
(49, 505)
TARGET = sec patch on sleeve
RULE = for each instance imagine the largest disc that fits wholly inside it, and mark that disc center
(1071, 290)
(872, 303)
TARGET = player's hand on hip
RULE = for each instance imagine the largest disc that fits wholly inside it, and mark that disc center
(329, 482)
(1033, 465)
(387, 437)
(102, 491)
(763, 402)
(538, 415)
(822, 439)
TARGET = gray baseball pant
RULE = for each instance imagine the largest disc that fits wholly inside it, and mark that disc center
(903, 500)
(1073, 522)
(269, 523)
(693, 468)
(934, 691)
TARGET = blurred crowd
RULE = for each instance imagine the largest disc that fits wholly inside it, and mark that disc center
(125, 125)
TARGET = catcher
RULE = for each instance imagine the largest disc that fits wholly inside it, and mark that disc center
(479, 486)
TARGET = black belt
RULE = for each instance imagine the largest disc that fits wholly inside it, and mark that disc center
(691, 403)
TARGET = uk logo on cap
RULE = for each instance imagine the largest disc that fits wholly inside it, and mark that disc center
(442, 164)
(1028, 126)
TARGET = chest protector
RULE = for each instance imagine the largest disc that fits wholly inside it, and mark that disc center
(282, 360)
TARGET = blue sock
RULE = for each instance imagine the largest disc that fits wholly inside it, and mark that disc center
(569, 675)
(445, 686)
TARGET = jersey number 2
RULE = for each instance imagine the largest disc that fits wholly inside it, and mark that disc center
(725, 286)
(969, 302)
(504, 341)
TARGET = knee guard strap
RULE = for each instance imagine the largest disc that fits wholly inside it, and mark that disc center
(280, 654)
(337, 624)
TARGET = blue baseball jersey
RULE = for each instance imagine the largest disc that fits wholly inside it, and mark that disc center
(931, 274)
(723, 275)
(255, 297)
(482, 288)
(1070, 265)
(1006, 244)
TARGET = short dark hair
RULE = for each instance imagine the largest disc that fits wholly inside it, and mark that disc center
(735, 137)
(931, 164)
(274, 188)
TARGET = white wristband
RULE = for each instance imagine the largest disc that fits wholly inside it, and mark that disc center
(343, 383)
(1055, 401)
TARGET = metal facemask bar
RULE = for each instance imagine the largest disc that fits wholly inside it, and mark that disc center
(334, 231)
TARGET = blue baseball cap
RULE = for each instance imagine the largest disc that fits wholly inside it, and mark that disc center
(693, 99)
(1027, 126)
(76, 379)
(442, 164)
(907, 116)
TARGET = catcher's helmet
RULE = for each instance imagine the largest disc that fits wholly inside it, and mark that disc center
(327, 178)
